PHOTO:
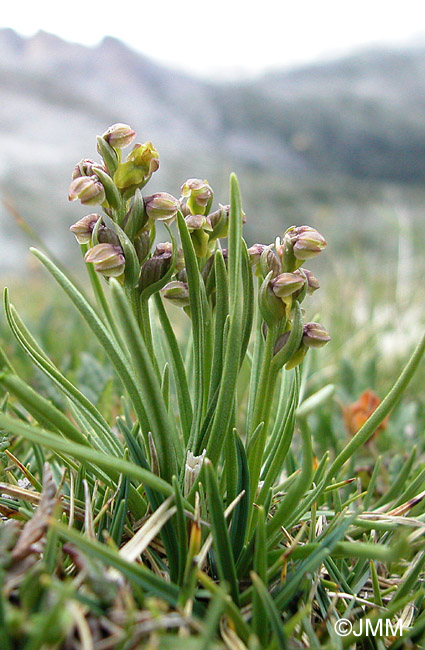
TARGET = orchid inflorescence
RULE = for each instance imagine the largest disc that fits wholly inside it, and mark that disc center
(121, 243)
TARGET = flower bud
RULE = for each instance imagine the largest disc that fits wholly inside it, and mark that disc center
(142, 245)
(146, 156)
(306, 242)
(269, 262)
(154, 269)
(198, 222)
(165, 248)
(84, 168)
(272, 308)
(255, 253)
(88, 189)
(177, 293)
(199, 195)
(83, 228)
(119, 135)
(312, 282)
(161, 206)
(107, 236)
(315, 335)
(219, 222)
(286, 284)
(107, 259)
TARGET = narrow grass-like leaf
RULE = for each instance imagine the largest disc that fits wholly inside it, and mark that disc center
(397, 487)
(196, 285)
(181, 530)
(221, 313)
(226, 395)
(259, 611)
(248, 302)
(216, 608)
(43, 410)
(148, 383)
(283, 439)
(177, 365)
(240, 515)
(108, 342)
(232, 610)
(273, 615)
(109, 463)
(224, 556)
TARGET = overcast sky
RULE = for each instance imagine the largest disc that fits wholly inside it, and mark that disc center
(226, 36)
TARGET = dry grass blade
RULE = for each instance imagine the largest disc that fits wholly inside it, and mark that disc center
(150, 529)
(35, 529)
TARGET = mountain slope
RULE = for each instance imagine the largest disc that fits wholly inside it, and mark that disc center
(360, 117)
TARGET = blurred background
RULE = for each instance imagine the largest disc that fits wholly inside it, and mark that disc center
(318, 107)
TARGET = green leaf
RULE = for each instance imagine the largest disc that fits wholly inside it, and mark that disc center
(149, 386)
(177, 365)
(223, 551)
(42, 361)
(233, 344)
(221, 313)
(259, 611)
(240, 514)
(196, 286)
(274, 618)
(41, 408)
(106, 339)
(114, 466)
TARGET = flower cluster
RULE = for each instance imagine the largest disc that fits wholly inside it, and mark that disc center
(120, 243)
(285, 284)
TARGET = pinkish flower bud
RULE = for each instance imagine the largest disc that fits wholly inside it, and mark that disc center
(255, 253)
(84, 168)
(88, 189)
(220, 222)
(315, 335)
(286, 284)
(163, 248)
(313, 283)
(166, 249)
(161, 206)
(177, 293)
(199, 195)
(107, 259)
(83, 228)
(198, 222)
(306, 242)
(119, 135)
